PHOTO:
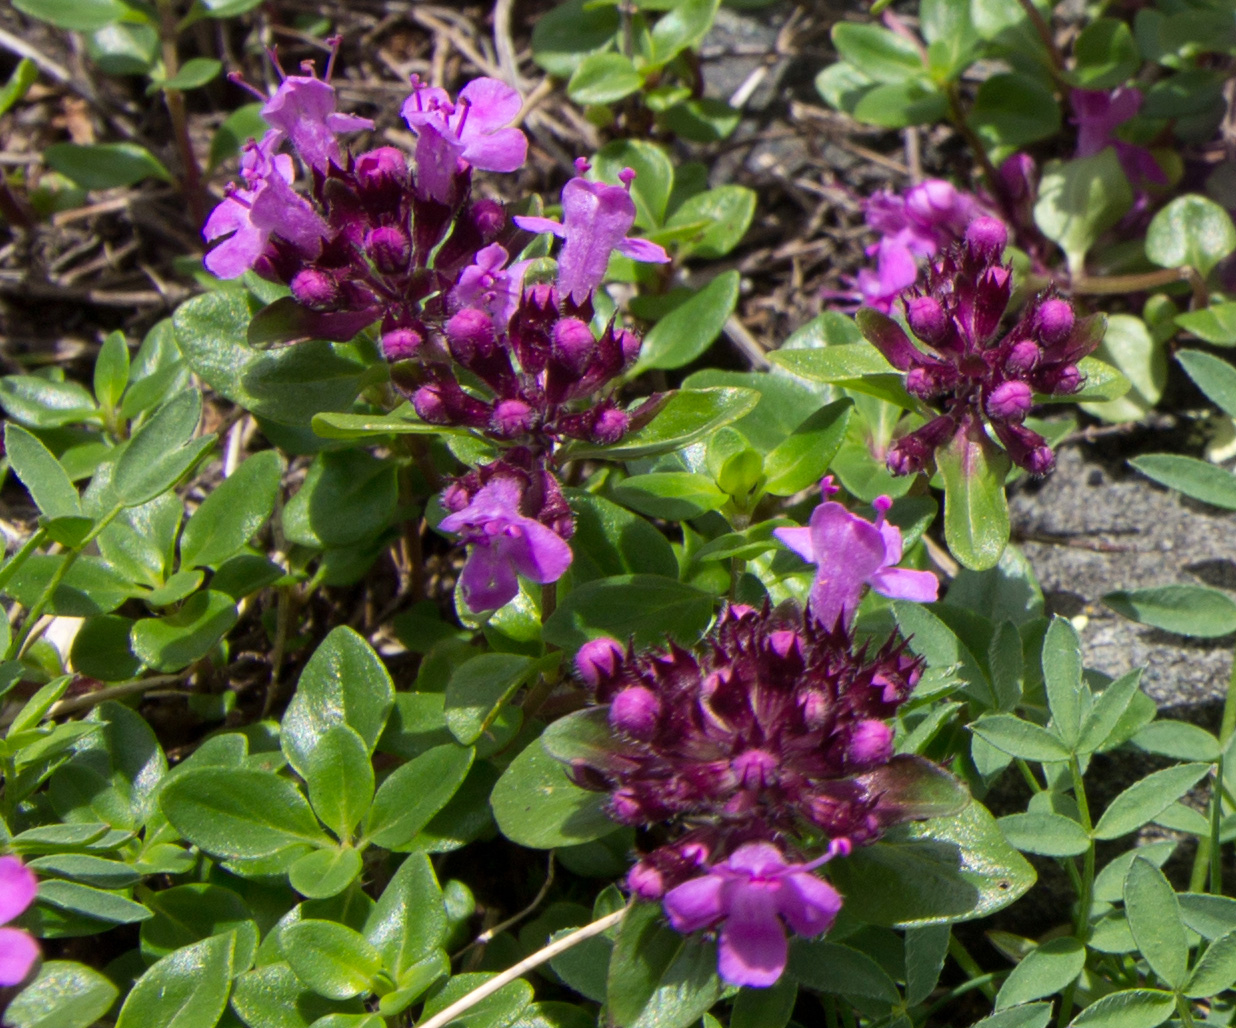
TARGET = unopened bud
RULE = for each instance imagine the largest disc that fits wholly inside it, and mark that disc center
(470, 333)
(598, 659)
(574, 344)
(1054, 321)
(646, 882)
(986, 239)
(635, 711)
(610, 426)
(512, 418)
(630, 344)
(314, 289)
(401, 344)
(625, 807)
(1022, 358)
(1068, 380)
(923, 383)
(870, 743)
(389, 249)
(1010, 401)
(488, 216)
(927, 319)
(429, 406)
(382, 167)
(1041, 460)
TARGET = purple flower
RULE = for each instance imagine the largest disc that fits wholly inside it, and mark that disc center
(473, 131)
(505, 541)
(766, 730)
(18, 951)
(303, 109)
(964, 368)
(930, 216)
(1097, 115)
(489, 285)
(852, 552)
(753, 894)
(266, 206)
(596, 218)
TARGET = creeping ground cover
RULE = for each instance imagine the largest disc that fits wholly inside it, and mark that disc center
(515, 514)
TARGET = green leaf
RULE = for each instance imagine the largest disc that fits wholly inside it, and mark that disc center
(603, 78)
(689, 329)
(186, 914)
(1213, 376)
(724, 214)
(1048, 835)
(345, 682)
(1109, 707)
(1145, 800)
(43, 403)
(330, 958)
(19, 83)
(1129, 1008)
(1045, 970)
(802, 459)
(1062, 679)
(233, 512)
(409, 798)
(657, 977)
(646, 607)
(408, 922)
(1106, 55)
(98, 904)
(654, 177)
(286, 384)
(1214, 324)
(111, 371)
(75, 15)
(1080, 199)
(1128, 345)
(347, 498)
(105, 165)
(87, 870)
(238, 812)
(161, 453)
(1102, 383)
(765, 1008)
(401, 421)
(339, 777)
(41, 473)
(479, 687)
(1032, 1015)
(176, 641)
(1012, 110)
(610, 540)
(901, 104)
(1154, 919)
(931, 638)
(243, 124)
(564, 34)
(185, 989)
(536, 805)
(1214, 973)
(1193, 477)
(857, 366)
(495, 1011)
(947, 869)
(876, 52)
(1191, 230)
(1109, 885)
(196, 71)
(63, 994)
(833, 967)
(322, 874)
(685, 416)
(1191, 610)
(686, 23)
(673, 495)
(925, 951)
(976, 513)
(1019, 738)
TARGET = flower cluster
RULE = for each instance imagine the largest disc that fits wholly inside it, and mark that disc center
(18, 951)
(771, 738)
(376, 239)
(965, 368)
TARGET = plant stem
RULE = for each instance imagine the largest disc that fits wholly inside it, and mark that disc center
(958, 117)
(967, 963)
(14, 563)
(467, 1002)
(1086, 891)
(175, 100)
(1044, 31)
(1186, 1015)
(1226, 728)
(1102, 285)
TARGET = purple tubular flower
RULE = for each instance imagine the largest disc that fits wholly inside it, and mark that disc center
(1097, 115)
(303, 109)
(964, 368)
(851, 552)
(753, 895)
(489, 285)
(473, 130)
(596, 218)
(18, 951)
(504, 543)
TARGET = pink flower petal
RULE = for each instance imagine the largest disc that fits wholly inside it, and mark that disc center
(695, 904)
(18, 952)
(488, 579)
(752, 948)
(494, 105)
(904, 584)
(18, 887)
(808, 904)
(798, 540)
(849, 551)
(543, 555)
(503, 150)
(643, 250)
(531, 223)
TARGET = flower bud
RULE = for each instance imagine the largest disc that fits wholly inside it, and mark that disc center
(815, 707)
(610, 426)
(401, 344)
(635, 711)
(870, 743)
(986, 239)
(1017, 175)
(1054, 322)
(1041, 460)
(598, 659)
(1010, 401)
(625, 807)
(470, 334)
(646, 882)
(512, 418)
(389, 249)
(488, 216)
(923, 383)
(756, 769)
(314, 289)
(381, 168)
(429, 406)
(574, 344)
(1067, 379)
(630, 344)
(927, 319)
(783, 642)
(1022, 358)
